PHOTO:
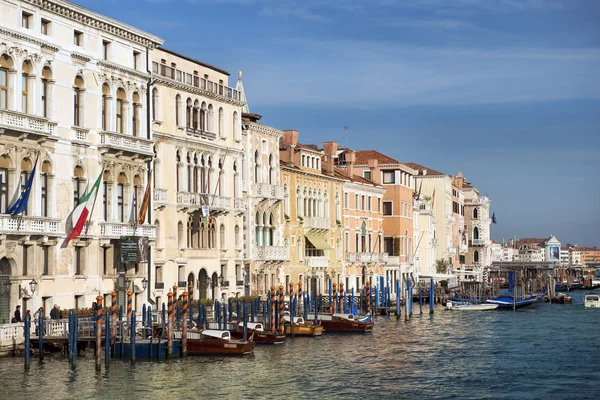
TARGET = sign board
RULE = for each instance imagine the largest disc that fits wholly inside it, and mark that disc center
(129, 249)
(143, 249)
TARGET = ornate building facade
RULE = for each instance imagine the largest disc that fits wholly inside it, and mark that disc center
(73, 88)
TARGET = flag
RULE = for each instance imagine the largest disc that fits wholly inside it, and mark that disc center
(20, 205)
(433, 198)
(145, 202)
(419, 194)
(82, 211)
(493, 218)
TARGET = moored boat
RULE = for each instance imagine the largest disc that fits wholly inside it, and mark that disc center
(471, 307)
(259, 335)
(216, 342)
(509, 302)
(562, 298)
(344, 323)
(591, 300)
(300, 327)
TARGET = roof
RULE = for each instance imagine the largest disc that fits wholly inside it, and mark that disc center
(222, 71)
(419, 168)
(363, 157)
(355, 178)
(312, 147)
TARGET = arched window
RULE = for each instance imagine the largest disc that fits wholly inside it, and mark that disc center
(47, 88)
(203, 111)
(188, 163)
(221, 178)
(286, 200)
(45, 189)
(27, 83)
(136, 115)
(303, 160)
(237, 237)
(211, 235)
(78, 184)
(475, 213)
(6, 65)
(363, 237)
(177, 173)
(136, 196)
(271, 170)
(299, 202)
(78, 89)
(211, 119)
(26, 166)
(121, 183)
(120, 116)
(476, 233)
(195, 185)
(155, 105)
(236, 134)
(271, 230)
(106, 190)
(256, 167)
(221, 123)
(236, 181)
(180, 239)
(105, 106)
(222, 237)
(202, 235)
(257, 230)
(196, 116)
(178, 110)
(476, 256)
(188, 113)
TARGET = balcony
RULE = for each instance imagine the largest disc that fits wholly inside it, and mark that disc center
(317, 262)
(463, 248)
(80, 134)
(367, 257)
(115, 230)
(25, 225)
(118, 144)
(193, 201)
(272, 253)
(159, 198)
(200, 133)
(239, 205)
(267, 191)
(480, 242)
(24, 125)
(316, 223)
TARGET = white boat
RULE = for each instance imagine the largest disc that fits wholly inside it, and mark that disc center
(592, 300)
(471, 307)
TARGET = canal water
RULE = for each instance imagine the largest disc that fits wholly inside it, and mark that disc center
(548, 351)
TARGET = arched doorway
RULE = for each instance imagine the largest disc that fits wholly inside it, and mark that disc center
(5, 272)
(202, 284)
(215, 286)
(191, 281)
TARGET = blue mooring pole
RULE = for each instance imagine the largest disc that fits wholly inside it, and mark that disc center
(144, 315)
(70, 338)
(398, 297)
(150, 325)
(107, 336)
(27, 333)
(431, 294)
(245, 321)
(132, 340)
(164, 318)
(421, 300)
(41, 335)
(75, 335)
(121, 338)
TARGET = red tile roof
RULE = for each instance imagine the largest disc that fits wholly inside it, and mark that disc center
(420, 169)
(363, 157)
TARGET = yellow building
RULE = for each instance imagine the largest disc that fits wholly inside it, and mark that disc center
(311, 217)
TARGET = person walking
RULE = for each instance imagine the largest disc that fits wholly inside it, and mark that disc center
(17, 316)
(54, 313)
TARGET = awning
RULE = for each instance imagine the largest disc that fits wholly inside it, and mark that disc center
(319, 241)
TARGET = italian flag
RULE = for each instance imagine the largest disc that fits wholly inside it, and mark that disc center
(82, 211)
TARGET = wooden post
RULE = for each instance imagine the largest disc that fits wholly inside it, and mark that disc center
(113, 314)
(98, 332)
(184, 325)
(169, 325)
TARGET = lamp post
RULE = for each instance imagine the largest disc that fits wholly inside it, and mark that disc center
(144, 283)
(127, 283)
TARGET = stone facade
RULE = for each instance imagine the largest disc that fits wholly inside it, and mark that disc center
(477, 225)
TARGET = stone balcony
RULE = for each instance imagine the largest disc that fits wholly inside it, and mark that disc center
(367, 257)
(24, 125)
(266, 191)
(120, 144)
(159, 198)
(317, 262)
(115, 230)
(480, 242)
(194, 201)
(239, 205)
(271, 253)
(26, 225)
(199, 133)
(316, 223)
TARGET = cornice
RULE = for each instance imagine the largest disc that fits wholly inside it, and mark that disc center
(27, 38)
(312, 175)
(267, 130)
(179, 141)
(81, 57)
(87, 17)
(363, 187)
(122, 69)
(161, 80)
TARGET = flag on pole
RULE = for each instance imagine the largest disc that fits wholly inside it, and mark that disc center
(82, 211)
(493, 218)
(20, 205)
(145, 202)
(419, 194)
(433, 198)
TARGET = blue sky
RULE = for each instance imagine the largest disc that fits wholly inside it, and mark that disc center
(506, 91)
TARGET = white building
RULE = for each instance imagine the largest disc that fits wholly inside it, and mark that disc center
(73, 88)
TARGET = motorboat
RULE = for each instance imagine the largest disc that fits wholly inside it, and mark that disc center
(562, 298)
(591, 300)
(300, 327)
(217, 342)
(340, 322)
(509, 302)
(471, 307)
(260, 336)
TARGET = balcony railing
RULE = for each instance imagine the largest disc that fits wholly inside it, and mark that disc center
(27, 123)
(160, 196)
(201, 133)
(121, 142)
(80, 134)
(367, 257)
(195, 81)
(118, 229)
(316, 223)
(317, 261)
(268, 191)
(480, 242)
(272, 253)
(219, 202)
(31, 225)
(199, 199)
(239, 204)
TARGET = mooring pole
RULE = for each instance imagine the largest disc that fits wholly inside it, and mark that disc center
(121, 330)
(169, 326)
(107, 339)
(431, 295)
(27, 332)
(113, 315)
(421, 300)
(98, 332)
(132, 338)
(184, 325)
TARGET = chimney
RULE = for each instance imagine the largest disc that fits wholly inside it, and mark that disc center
(290, 140)
(424, 172)
(330, 149)
(375, 178)
(350, 160)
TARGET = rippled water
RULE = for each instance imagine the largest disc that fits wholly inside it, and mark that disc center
(544, 352)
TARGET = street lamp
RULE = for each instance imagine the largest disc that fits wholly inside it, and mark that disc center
(127, 283)
(220, 280)
(6, 288)
(33, 286)
(144, 283)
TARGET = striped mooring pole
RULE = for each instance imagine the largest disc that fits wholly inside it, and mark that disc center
(129, 304)
(272, 308)
(98, 332)
(113, 315)
(191, 305)
(184, 325)
(107, 338)
(368, 297)
(169, 324)
(342, 299)
(281, 309)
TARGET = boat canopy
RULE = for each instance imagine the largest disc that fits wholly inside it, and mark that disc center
(297, 320)
(344, 316)
(257, 326)
(217, 334)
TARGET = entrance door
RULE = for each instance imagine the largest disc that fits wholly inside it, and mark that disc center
(4, 291)
(203, 284)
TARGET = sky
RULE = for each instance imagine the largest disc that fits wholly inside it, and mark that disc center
(506, 91)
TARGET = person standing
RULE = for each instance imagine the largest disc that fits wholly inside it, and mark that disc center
(54, 313)
(17, 316)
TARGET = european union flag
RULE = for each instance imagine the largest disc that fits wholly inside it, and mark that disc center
(21, 204)
(493, 218)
